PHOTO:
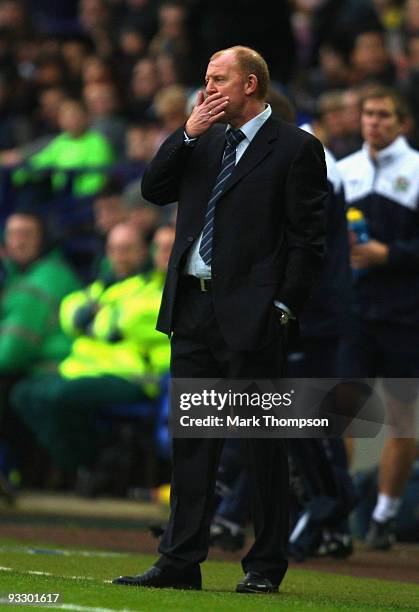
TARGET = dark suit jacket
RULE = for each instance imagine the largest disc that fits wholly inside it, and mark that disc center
(268, 229)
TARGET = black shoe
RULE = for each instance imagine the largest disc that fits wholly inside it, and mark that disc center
(254, 582)
(225, 538)
(335, 544)
(381, 536)
(166, 578)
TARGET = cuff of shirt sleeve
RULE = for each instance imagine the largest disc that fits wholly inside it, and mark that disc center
(285, 309)
(189, 142)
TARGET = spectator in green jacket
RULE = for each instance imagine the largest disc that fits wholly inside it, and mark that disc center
(77, 147)
(34, 282)
(117, 356)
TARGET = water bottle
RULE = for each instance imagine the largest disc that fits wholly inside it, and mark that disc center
(357, 224)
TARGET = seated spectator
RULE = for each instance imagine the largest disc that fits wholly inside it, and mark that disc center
(103, 106)
(370, 59)
(14, 17)
(14, 127)
(167, 70)
(95, 69)
(45, 119)
(142, 87)
(171, 36)
(330, 109)
(50, 70)
(34, 282)
(339, 115)
(141, 14)
(410, 12)
(116, 357)
(95, 18)
(170, 109)
(141, 213)
(131, 45)
(75, 148)
(332, 73)
(75, 51)
(109, 210)
(141, 143)
(410, 84)
(136, 145)
(47, 112)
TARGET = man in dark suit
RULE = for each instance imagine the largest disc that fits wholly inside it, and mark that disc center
(248, 248)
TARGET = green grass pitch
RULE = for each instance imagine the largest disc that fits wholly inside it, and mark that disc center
(80, 579)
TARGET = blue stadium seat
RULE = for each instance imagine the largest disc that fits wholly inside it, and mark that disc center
(155, 412)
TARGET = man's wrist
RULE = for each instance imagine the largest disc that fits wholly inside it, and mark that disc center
(188, 131)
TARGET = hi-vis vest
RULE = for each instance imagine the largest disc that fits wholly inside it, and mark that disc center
(122, 339)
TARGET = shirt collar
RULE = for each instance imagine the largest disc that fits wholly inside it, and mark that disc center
(307, 127)
(395, 149)
(251, 128)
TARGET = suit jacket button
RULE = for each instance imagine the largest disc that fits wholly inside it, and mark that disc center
(190, 238)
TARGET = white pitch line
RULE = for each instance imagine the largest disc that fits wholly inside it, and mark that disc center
(88, 609)
(64, 553)
(38, 573)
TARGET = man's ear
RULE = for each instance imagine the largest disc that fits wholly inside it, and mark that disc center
(251, 84)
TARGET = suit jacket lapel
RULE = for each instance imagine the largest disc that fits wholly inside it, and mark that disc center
(258, 149)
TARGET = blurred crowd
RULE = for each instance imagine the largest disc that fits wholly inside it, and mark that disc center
(88, 92)
(132, 65)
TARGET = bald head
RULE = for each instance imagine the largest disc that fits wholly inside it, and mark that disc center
(237, 75)
(126, 250)
(250, 62)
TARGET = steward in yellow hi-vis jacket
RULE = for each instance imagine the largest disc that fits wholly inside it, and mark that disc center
(116, 334)
(117, 356)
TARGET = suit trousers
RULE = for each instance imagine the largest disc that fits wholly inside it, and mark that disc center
(199, 351)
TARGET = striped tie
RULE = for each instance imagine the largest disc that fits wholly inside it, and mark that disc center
(233, 138)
